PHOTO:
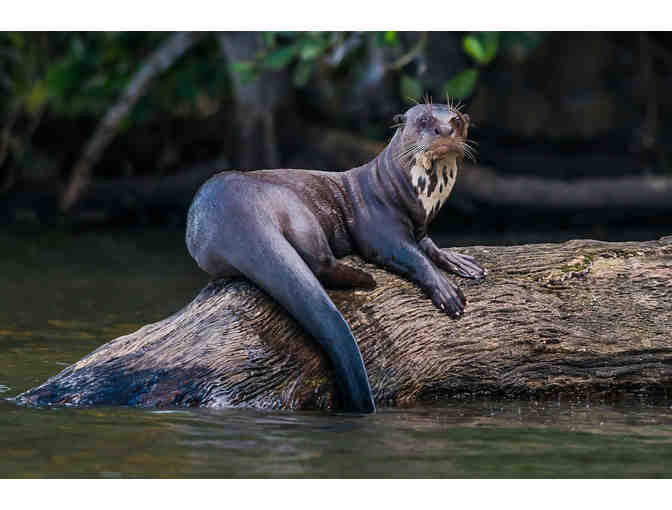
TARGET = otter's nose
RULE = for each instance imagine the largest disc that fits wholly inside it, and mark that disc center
(445, 130)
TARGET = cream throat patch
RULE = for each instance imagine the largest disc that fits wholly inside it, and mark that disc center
(433, 181)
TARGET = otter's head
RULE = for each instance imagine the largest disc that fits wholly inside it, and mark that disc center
(433, 131)
(433, 140)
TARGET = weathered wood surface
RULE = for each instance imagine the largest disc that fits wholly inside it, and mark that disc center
(582, 319)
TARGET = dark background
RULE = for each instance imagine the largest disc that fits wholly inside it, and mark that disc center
(589, 109)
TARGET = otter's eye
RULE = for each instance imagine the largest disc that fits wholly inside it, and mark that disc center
(423, 122)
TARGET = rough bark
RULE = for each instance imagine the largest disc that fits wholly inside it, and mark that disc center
(582, 319)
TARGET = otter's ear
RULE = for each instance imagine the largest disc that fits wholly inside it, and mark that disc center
(399, 118)
(467, 119)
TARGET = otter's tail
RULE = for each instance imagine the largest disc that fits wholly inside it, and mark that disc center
(275, 266)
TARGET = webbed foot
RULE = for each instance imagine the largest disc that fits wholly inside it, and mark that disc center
(461, 265)
(448, 297)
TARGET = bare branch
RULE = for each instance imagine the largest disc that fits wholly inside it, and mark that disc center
(160, 60)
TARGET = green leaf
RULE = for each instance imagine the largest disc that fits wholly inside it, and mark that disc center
(36, 97)
(462, 84)
(481, 46)
(242, 66)
(311, 50)
(280, 58)
(390, 38)
(16, 39)
(312, 44)
(61, 77)
(245, 68)
(490, 42)
(473, 47)
(410, 88)
(302, 73)
(269, 39)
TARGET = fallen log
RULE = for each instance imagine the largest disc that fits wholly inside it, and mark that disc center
(628, 192)
(582, 319)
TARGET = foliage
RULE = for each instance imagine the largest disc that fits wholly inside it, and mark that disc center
(79, 75)
(82, 73)
(302, 51)
(482, 48)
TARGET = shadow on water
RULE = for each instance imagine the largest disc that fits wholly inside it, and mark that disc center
(67, 294)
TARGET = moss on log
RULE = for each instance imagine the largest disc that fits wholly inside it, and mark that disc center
(582, 319)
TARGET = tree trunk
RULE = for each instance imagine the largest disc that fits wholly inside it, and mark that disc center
(256, 102)
(582, 319)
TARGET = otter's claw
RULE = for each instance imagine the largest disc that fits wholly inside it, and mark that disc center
(448, 298)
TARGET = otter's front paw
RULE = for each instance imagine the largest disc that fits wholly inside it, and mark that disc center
(448, 297)
(462, 265)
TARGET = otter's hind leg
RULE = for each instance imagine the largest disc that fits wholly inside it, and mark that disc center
(273, 264)
(312, 245)
(336, 275)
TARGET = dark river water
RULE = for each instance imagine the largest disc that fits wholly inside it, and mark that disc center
(62, 295)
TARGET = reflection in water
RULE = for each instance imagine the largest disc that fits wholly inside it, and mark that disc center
(454, 439)
(66, 295)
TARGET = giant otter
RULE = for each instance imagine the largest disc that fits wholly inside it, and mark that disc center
(286, 229)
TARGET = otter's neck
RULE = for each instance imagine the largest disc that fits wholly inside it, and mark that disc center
(385, 180)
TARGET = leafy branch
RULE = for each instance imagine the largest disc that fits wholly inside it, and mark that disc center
(482, 48)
